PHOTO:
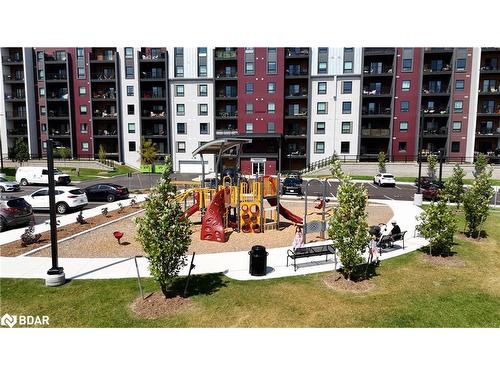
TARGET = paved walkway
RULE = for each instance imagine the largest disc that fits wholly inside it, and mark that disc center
(232, 264)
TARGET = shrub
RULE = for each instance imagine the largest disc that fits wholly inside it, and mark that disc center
(476, 203)
(432, 161)
(480, 164)
(454, 187)
(381, 161)
(438, 225)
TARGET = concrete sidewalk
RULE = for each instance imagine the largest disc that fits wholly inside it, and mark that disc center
(232, 264)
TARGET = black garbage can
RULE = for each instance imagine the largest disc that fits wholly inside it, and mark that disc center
(258, 260)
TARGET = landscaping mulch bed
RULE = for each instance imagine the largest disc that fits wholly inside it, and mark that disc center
(438, 260)
(16, 248)
(339, 283)
(156, 305)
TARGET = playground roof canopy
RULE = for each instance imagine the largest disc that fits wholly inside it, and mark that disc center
(220, 145)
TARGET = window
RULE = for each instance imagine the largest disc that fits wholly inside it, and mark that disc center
(41, 91)
(248, 127)
(41, 74)
(458, 106)
(461, 61)
(271, 67)
(204, 129)
(179, 61)
(44, 128)
(347, 87)
(81, 73)
(129, 52)
(61, 55)
(319, 147)
(131, 146)
(180, 110)
(403, 126)
(272, 57)
(203, 109)
(181, 147)
(346, 107)
(271, 87)
(459, 84)
(455, 146)
(129, 72)
(85, 146)
(249, 61)
(249, 68)
(407, 59)
(44, 145)
(319, 128)
(79, 52)
(322, 108)
(130, 109)
(271, 108)
(131, 128)
(461, 66)
(249, 108)
(345, 147)
(322, 60)
(202, 61)
(130, 90)
(202, 90)
(39, 55)
(179, 90)
(457, 126)
(346, 127)
(43, 110)
(249, 88)
(271, 127)
(321, 88)
(181, 128)
(348, 60)
(404, 106)
(83, 128)
(83, 109)
(402, 146)
(82, 91)
(405, 85)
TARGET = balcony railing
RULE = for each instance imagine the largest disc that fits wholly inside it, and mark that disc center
(104, 114)
(56, 76)
(437, 50)
(226, 132)
(296, 133)
(110, 132)
(56, 133)
(150, 133)
(12, 59)
(489, 67)
(296, 114)
(226, 75)
(489, 131)
(443, 90)
(225, 55)
(297, 52)
(385, 111)
(490, 90)
(436, 111)
(489, 110)
(13, 77)
(102, 76)
(296, 72)
(55, 57)
(102, 57)
(18, 131)
(375, 132)
(153, 114)
(445, 68)
(14, 97)
(227, 94)
(57, 95)
(157, 56)
(152, 95)
(151, 75)
(58, 114)
(384, 70)
(224, 114)
(379, 51)
(108, 94)
(383, 91)
(435, 131)
(15, 114)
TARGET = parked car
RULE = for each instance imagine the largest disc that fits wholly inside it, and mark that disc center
(106, 192)
(431, 192)
(296, 175)
(292, 186)
(40, 175)
(14, 211)
(384, 179)
(67, 197)
(231, 172)
(6, 185)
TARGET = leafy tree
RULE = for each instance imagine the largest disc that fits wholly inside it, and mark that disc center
(348, 226)
(432, 161)
(19, 152)
(454, 187)
(438, 224)
(381, 161)
(480, 164)
(63, 152)
(102, 153)
(476, 203)
(149, 152)
(164, 237)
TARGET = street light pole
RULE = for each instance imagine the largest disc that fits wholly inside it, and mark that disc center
(417, 199)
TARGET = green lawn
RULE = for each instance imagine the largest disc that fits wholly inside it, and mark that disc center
(408, 293)
(93, 174)
(408, 179)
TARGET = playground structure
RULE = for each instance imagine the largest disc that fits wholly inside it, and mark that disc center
(239, 205)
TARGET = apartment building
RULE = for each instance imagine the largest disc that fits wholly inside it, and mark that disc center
(298, 105)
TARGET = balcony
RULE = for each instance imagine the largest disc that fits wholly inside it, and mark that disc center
(17, 132)
(435, 92)
(59, 133)
(227, 93)
(12, 60)
(105, 95)
(15, 115)
(150, 95)
(435, 132)
(106, 56)
(489, 110)
(159, 57)
(225, 55)
(56, 59)
(226, 75)
(384, 71)
(375, 133)
(436, 112)
(302, 114)
(148, 115)
(376, 92)
(105, 132)
(488, 132)
(62, 76)
(153, 76)
(490, 69)
(226, 132)
(14, 98)
(226, 115)
(296, 133)
(104, 114)
(57, 96)
(58, 115)
(489, 91)
(13, 78)
(378, 112)
(379, 51)
(296, 72)
(429, 70)
(296, 52)
(103, 76)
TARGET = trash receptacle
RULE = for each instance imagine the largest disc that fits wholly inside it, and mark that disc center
(258, 260)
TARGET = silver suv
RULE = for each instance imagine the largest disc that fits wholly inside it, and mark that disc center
(14, 211)
(6, 185)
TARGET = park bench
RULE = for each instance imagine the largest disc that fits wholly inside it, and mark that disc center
(306, 252)
(387, 240)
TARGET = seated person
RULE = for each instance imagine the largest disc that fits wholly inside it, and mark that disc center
(395, 228)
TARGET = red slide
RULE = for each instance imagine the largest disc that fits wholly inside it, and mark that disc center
(212, 228)
(284, 212)
(195, 207)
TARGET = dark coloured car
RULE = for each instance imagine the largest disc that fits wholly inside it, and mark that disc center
(431, 192)
(231, 172)
(106, 192)
(292, 186)
(296, 175)
(14, 211)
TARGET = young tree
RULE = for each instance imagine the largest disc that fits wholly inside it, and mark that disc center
(63, 152)
(438, 225)
(348, 226)
(480, 164)
(432, 161)
(149, 152)
(19, 152)
(454, 187)
(476, 202)
(381, 161)
(102, 154)
(164, 237)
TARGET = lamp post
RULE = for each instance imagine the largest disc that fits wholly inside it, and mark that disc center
(417, 199)
(55, 275)
(440, 165)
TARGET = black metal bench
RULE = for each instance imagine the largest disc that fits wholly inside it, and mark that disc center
(306, 252)
(387, 240)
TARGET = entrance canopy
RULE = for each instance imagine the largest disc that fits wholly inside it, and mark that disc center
(219, 146)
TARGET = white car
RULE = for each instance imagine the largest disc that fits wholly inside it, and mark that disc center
(384, 179)
(67, 197)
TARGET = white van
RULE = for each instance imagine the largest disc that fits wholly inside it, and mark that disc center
(40, 175)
